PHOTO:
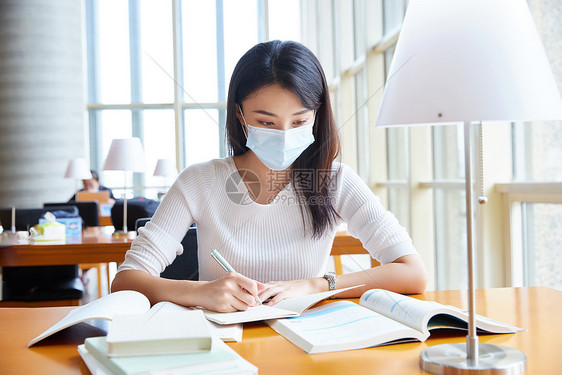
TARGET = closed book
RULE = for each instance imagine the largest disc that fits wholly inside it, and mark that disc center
(158, 332)
(220, 359)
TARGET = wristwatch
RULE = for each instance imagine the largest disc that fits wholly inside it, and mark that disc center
(331, 277)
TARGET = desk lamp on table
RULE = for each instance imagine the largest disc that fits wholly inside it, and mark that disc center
(468, 62)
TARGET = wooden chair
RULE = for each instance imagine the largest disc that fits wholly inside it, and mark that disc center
(345, 244)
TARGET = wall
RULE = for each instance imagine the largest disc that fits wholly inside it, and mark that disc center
(41, 99)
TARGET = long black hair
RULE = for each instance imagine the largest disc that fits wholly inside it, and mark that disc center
(295, 68)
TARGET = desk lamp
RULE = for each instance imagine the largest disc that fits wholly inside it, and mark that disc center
(464, 62)
(78, 169)
(125, 155)
(165, 168)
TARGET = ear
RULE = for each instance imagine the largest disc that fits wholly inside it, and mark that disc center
(239, 116)
(241, 120)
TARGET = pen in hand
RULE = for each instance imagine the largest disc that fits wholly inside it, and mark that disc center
(227, 267)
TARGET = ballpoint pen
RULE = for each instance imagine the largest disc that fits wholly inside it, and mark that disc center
(227, 267)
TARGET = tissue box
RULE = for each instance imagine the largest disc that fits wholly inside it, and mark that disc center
(73, 225)
(48, 232)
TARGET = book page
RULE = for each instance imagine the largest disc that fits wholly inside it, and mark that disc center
(342, 325)
(123, 302)
(254, 313)
(407, 310)
(289, 307)
(453, 317)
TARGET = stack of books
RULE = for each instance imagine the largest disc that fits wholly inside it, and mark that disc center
(178, 342)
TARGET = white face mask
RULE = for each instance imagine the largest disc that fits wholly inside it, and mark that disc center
(278, 149)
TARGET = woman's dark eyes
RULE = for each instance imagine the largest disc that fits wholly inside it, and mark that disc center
(295, 123)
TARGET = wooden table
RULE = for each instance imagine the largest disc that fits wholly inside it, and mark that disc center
(535, 308)
(96, 245)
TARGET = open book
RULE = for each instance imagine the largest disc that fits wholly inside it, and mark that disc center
(289, 307)
(129, 302)
(380, 318)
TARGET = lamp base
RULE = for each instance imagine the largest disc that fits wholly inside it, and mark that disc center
(492, 359)
(131, 235)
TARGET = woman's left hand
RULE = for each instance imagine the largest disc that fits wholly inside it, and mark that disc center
(277, 291)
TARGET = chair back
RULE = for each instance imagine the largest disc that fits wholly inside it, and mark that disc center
(88, 211)
(136, 208)
(26, 217)
(141, 222)
(185, 266)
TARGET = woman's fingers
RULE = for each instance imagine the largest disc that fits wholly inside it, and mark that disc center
(234, 292)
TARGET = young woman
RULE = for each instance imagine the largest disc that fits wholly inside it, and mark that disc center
(272, 208)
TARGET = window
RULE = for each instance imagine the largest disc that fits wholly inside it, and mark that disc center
(418, 172)
(159, 70)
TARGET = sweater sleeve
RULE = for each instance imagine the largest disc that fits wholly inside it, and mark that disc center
(159, 242)
(377, 228)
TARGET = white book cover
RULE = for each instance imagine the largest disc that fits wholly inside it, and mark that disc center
(158, 332)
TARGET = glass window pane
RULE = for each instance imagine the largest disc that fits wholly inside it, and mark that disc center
(537, 154)
(399, 205)
(397, 141)
(542, 141)
(394, 11)
(448, 152)
(115, 124)
(159, 143)
(359, 29)
(388, 54)
(326, 27)
(362, 126)
(240, 31)
(200, 50)
(157, 52)
(450, 239)
(542, 234)
(284, 20)
(201, 135)
(113, 37)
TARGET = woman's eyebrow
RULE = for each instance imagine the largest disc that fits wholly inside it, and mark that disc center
(264, 112)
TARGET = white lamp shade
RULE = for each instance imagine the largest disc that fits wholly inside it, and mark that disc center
(125, 155)
(78, 169)
(468, 60)
(165, 168)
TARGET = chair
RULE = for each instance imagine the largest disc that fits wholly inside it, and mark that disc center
(185, 266)
(89, 212)
(38, 285)
(102, 198)
(136, 208)
(345, 244)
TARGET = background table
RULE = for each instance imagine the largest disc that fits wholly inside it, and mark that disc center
(535, 308)
(96, 245)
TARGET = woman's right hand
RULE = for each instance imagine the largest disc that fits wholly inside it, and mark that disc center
(233, 292)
